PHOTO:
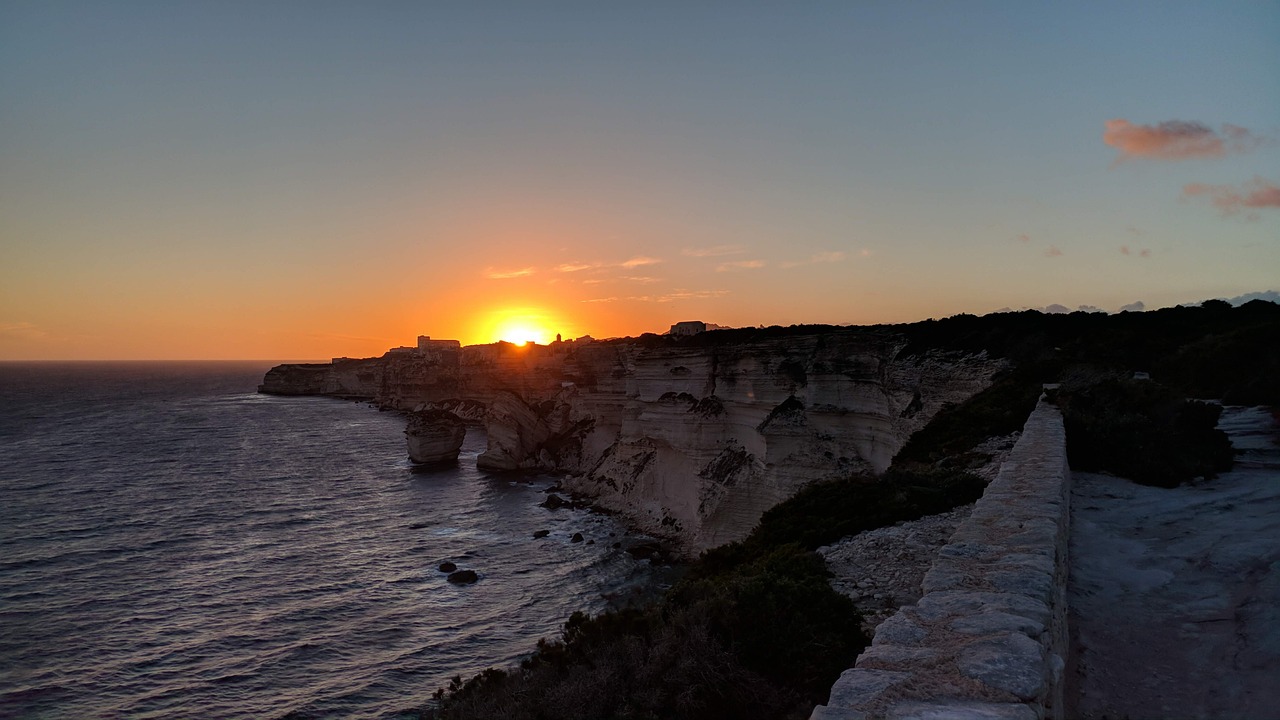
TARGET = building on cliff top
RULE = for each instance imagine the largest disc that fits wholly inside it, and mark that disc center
(426, 344)
(687, 328)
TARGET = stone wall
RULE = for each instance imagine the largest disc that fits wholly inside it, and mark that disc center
(988, 639)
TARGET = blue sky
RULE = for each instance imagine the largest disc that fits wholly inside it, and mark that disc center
(316, 179)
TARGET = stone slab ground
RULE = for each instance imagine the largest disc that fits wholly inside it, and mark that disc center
(1174, 594)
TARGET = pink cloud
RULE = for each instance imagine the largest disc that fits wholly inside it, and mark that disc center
(1024, 238)
(1253, 195)
(1176, 140)
(1053, 251)
(1140, 252)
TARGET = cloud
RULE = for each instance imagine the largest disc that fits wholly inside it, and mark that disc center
(713, 251)
(740, 265)
(1140, 252)
(575, 267)
(508, 274)
(642, 279)
(823, 257)
(1267, 295)
(1176, 140)
(1056, 309)
(1137, 306)
(639, 261)
(682, 294)
(1253, 195)
(674, 295)
(1052, 251)
(22, 330)
(1023, 238)
(1090, 309)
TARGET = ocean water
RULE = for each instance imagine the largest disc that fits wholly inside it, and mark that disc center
(173, 544)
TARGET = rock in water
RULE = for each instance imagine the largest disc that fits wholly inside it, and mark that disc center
(434, 436)
(541, 534)
(447, 567)
(463, 577)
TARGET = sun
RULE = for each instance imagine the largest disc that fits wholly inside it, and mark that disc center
(522, 326)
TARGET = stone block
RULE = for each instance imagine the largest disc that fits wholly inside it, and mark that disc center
(896, 655)
(946, 575)
(1011, 662)
(822, 712)
(941, 605)
(960, 710)
(859, 686)
(900, 630)
(992, 623)
(1026, 581)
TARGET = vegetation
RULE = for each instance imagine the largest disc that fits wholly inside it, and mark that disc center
(1141, 430)
(1001, 409)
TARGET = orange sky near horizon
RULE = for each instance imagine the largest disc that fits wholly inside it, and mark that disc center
(288, 181)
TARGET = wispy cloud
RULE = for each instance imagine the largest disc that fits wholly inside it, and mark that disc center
(823, 257)
(639, 262)
(681, 294)
(508, 274)
(644, 279)
(575, 267)
(1052, 251)
(674, 295)
(1140, 252)
(22, 330)
(740, 265)
(713, 251)
(1256, 194)
(1176, 140)
(1023, 238)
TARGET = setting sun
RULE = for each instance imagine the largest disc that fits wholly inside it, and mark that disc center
(521, 326)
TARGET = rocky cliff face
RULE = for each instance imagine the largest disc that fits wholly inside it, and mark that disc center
(690, 440)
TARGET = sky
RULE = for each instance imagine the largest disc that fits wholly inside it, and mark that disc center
(306, 180)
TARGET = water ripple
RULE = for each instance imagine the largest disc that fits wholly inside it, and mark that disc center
(177, 545)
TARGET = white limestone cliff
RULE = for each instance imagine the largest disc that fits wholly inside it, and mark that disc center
(691, 439)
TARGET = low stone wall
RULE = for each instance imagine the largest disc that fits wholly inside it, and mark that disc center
(989, 638)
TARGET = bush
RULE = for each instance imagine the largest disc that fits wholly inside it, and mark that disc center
(1143, 431)
(763, 641)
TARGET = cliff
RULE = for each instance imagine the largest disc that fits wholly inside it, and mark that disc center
(693, 440)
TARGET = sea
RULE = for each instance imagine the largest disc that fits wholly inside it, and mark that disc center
(173, 544)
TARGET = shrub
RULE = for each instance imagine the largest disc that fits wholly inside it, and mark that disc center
(1143, 431)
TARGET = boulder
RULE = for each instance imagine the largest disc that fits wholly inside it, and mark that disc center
(447, 567)
(577, 537)
(463, 577)
(555, 502)
(541, 533)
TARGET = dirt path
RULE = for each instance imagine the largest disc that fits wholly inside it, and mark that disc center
(1175, 594)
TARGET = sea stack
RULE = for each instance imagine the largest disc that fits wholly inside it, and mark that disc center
(434, 436)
